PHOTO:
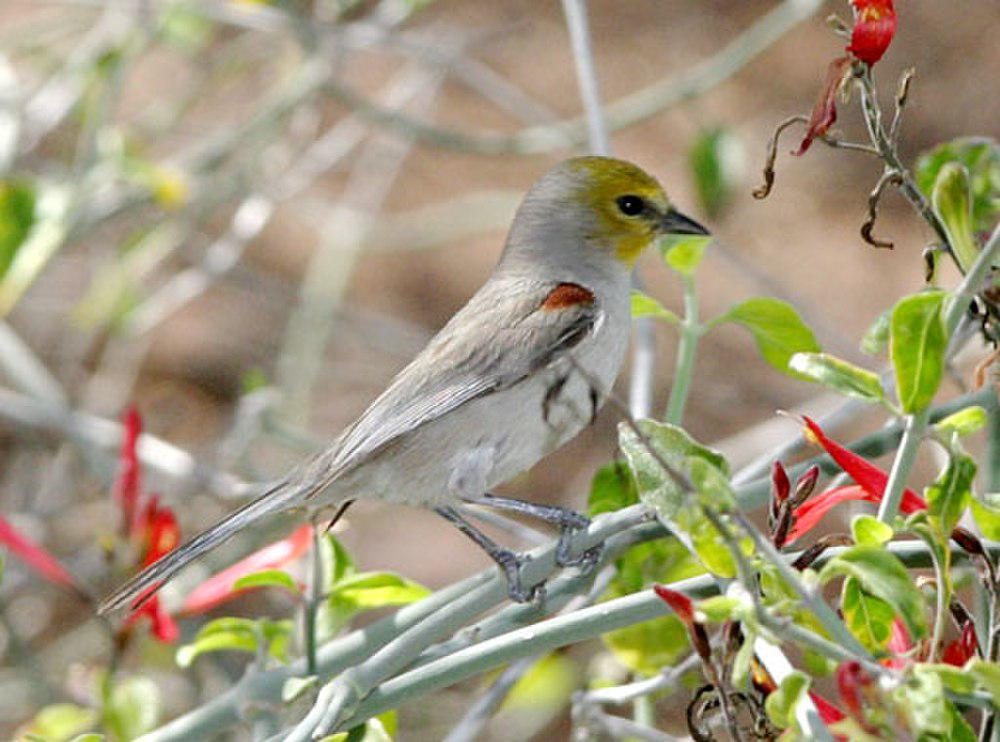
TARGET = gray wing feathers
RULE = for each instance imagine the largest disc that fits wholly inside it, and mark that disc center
(499, 338)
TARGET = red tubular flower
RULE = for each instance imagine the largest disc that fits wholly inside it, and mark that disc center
(824, 112)
(963, 649)
(219, 588)
(162, 625)
(127, 483)
(874, 26)
(159, 533)
(158, 529)
(35, 556)
(870, 487)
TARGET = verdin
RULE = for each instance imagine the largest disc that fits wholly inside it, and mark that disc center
(517, 372)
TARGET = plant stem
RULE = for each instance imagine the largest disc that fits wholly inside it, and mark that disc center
(916, 423)
(889, 154)
(311, 607)
(591, 622)
(690, 332)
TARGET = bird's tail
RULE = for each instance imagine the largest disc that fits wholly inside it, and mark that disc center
(143, 585)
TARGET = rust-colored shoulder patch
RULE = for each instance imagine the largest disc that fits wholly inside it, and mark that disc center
(567, 295)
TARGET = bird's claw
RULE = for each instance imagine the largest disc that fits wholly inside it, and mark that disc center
(585, 561)
(512, 565)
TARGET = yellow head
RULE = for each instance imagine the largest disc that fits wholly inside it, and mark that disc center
(596, 202)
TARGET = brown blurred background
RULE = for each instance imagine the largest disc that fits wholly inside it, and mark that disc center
(352, 272)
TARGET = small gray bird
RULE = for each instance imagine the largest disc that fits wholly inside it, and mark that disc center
(517, 372)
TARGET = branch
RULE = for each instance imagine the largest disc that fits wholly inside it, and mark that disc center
(631, 109)
(579, 626)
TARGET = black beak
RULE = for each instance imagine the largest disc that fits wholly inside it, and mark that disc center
(674, 222)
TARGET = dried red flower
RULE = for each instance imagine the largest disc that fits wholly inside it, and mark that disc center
(824, 112)
(874, 27)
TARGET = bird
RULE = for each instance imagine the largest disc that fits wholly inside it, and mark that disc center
(517, 372)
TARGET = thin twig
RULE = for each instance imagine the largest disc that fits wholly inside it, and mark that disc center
(889, 178)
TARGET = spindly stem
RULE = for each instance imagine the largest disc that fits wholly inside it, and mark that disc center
(690, 333)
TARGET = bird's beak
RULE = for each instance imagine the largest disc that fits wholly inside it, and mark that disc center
(674, 222)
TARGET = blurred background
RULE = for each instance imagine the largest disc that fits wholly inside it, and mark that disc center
(246, 217)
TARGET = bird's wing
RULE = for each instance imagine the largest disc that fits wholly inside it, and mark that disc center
(507, 331)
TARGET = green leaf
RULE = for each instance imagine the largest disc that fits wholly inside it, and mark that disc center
(239, 634)
(717, 162)
(881, 573)
(277, 634)
(964, 422)
(839, 375)
(17, 214)
(780, 705)
(920, 698)
(647, 647)
(776, 327)
(954, 678)
(665, 560)
(267, 578)
(656, 487)
(720, 608)
(547, 686)
(981, 158)
(683, 253)
(132, 708)
(876, 337)
(951, 200)
(612, 489)
(869, 618)
(869, 531)
(336, 561)
(960, 730)
(987, 675)
(92, 737)
(917, 346)
(372, 730)
(951, 493)
(986, 513)
(377, 590)
(644, 305)
(62, 721)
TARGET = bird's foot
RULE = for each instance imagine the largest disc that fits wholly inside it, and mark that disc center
(586, 561)
(512, 564)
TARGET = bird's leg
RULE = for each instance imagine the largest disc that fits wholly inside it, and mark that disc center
(508, 561)
(568, 521)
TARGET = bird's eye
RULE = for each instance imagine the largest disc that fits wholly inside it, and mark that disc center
(630, 205)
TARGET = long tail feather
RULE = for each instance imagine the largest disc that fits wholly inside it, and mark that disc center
(143, 585)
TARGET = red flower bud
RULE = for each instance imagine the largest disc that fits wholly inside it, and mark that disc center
(780, 486)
